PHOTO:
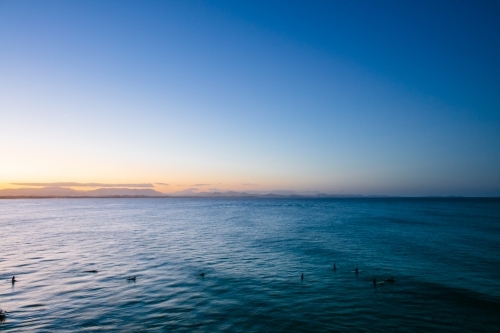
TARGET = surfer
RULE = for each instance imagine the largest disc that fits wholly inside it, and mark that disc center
(390, 280)
(92, 271)
(375, 282)
(356, 271)
(131, 278)
(13, 280)
(334, 267)
(302, 277)
(202, 274)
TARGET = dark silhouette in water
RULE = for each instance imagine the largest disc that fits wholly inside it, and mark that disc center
(13, 280)
(390, 280)
(334, 267)
(92, 271)
(131, 278)
(2, 316)
(302, 277)
(375, 282)
(202, 274)
(356, 271)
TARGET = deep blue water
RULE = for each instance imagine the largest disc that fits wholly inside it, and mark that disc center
(443, 253)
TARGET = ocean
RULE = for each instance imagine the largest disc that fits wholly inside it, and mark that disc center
(444, 256)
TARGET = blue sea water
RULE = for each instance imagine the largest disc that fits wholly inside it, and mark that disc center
(444, 255)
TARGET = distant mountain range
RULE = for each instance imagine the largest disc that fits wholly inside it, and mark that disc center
(63, 192)
(55, 191)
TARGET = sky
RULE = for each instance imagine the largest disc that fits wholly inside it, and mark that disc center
(343, 97)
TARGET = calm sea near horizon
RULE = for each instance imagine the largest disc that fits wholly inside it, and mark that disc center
(444, 255)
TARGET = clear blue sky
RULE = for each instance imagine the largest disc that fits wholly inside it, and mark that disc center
(368, 97)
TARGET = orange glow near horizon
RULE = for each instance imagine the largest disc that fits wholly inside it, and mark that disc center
(164, 187)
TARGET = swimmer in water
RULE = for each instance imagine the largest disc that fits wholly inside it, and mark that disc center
(302, 276)
(131, 278)
(356, 270)
(375, 281)
(13, 280)
(334, 267)
(202, 274)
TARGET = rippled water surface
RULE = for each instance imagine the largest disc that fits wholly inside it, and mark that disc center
(443, 254)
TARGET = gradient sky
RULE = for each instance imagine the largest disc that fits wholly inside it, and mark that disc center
(348, 97)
